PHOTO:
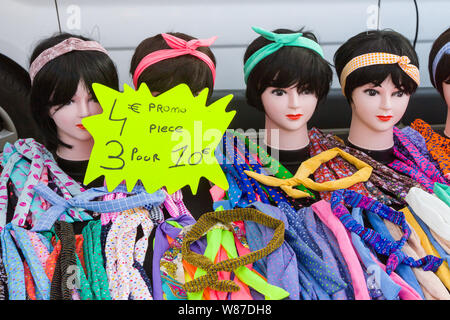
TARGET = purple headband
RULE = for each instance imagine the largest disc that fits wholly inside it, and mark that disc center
(70, 44)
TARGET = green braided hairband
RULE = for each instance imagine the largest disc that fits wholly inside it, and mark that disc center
(280, 40)
(208, 220)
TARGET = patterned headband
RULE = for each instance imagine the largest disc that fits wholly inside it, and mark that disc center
(279, 40)
(70, 44)
(373, 58)
(444, 50)
(179, 47)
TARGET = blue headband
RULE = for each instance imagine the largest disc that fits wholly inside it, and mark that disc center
(444, 50)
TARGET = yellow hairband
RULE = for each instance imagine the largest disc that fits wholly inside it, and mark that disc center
(308, 167)
(369, 59)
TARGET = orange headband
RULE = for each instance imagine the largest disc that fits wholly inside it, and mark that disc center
(369, 59)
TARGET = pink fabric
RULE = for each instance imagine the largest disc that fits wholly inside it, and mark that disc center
(179, 47)
(70, 44)
(111, 216)
(216, 193)
(323, 209)
(174, 204)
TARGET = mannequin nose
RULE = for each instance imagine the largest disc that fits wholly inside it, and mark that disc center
(387, 103)
(294, 100)
(83, 109)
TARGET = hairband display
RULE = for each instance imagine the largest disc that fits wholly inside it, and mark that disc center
(279, 40)
(374, 58)
(68, 45)
(179, 47)
(444, 50)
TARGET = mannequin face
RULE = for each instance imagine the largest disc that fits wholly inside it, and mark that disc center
(68, 117)
(287, 108)
(379, 107)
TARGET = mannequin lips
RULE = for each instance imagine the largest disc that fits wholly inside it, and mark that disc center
(294, 116)
(81, 126)
(384, 118)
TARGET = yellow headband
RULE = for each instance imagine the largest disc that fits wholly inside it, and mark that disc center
(369, 59)
(308, 167)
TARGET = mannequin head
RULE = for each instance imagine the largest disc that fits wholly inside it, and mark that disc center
(378, 94)
(287, 85)
(441, 77)
(61, 95)
(166, 74)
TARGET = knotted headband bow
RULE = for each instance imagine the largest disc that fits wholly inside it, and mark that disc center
(444, 50)
(373, 58)
(308, 167)
(279, 40)
(179, 47)
(70, 44)
(84, 200)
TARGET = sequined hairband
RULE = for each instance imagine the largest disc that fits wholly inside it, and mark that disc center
(279, 40)
(444, 50)
(373, 58)
(70, 44)
(179, 47)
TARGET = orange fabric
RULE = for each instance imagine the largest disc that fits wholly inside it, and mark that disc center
(373, 58)
(52, 259)
(437, 145)
(29, 282)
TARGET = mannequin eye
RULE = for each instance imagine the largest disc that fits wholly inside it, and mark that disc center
(278, 92)
(68, 103)
(447, 81)
(306, 91)
(399, 94)
(371, 92)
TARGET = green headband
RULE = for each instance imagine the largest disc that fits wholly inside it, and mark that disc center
(280, 40)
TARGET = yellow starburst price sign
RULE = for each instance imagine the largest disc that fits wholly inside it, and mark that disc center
(167, 140)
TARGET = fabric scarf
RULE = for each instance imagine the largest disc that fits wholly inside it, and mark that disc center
(380, 244)
(420, 169)
(438, 146)
(24, 163)
(122, 250)
(432, 210)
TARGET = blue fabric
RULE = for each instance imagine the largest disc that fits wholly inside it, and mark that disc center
(403, 270)
(280, 265)
(243, 189)
(39, 276)
(444, 255)
(382, 281)
(330, 239)
(13, 265)
(315, 229)
(379, 243)
(324, 273)
(59, 204)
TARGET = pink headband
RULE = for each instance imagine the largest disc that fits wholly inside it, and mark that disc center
(179, 47)
(70, 44)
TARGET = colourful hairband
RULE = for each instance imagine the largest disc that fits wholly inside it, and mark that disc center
(444, 50)
(279, 40)
(179, 47)
(373, 58)
(70, 44)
